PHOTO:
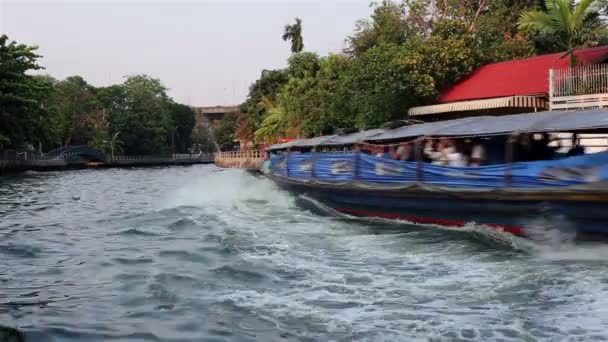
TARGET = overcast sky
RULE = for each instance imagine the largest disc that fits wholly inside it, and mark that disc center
(206, 52)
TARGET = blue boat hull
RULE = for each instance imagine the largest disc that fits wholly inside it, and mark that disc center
(515, 213)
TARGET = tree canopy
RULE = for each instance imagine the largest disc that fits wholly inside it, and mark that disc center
(135, 117)
(573, 24)
(404, 55)
(21, 114)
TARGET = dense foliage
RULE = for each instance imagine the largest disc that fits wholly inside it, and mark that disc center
(21, 113)
(402, 56)
(135, 117)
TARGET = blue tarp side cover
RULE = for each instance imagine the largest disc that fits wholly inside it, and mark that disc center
(352, 166)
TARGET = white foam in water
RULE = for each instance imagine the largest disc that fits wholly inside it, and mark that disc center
(227, 188)
(332, 279)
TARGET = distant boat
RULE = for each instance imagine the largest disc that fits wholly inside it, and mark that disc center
(507, 196)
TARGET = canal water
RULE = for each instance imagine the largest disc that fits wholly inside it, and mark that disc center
(200, 254)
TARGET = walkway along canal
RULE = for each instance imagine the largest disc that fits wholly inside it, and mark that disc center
(11, 161)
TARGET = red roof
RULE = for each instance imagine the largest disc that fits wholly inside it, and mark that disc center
(528, 76)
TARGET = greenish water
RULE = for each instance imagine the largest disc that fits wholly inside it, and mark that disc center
(193, 254)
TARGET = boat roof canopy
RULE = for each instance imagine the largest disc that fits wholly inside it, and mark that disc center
(353, 138)
(550, 121)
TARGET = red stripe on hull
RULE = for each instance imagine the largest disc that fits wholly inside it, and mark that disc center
(428, 220)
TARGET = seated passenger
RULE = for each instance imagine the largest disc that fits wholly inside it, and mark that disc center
(432, 152)
(478, 155)
(451, 155)
(379, 152)
(576, 150)
(403, 153)
(540, 148)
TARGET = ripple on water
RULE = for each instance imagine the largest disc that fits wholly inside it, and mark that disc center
(136, 232)
(244, 273)
(183, 255)
(21, 250)
(133, 261)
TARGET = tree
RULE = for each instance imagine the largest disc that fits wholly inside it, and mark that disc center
(224, 133)
(183, 120)
(323, 113)
(293, 33)
(22, 118)
(142, 117)
(79, 112)
(274, 125)
(576, 25)
(253, 111)
(385, 25)
(111, 144)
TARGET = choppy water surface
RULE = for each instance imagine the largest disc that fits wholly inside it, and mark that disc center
(193, 254)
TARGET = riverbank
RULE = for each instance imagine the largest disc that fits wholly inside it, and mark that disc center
(72, 163)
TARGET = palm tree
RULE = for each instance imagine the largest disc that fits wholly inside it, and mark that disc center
(294, 33)
(278, 122)
(274, 123)
(570, 20)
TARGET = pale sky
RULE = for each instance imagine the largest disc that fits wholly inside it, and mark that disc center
(207, 52)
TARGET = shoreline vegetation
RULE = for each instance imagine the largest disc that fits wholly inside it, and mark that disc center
(402, 56)
(39, 113)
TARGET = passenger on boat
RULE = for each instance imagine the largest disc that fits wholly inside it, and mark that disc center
(478, 154)
(432, 152)
(576, 149)
(540, 148)
(403, 152)
(452, 154)
(379, 152)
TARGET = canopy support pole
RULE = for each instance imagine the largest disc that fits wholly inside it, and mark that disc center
(357, 162)
(287, 161)
(509, 158)
(313, 161)
(419, 150)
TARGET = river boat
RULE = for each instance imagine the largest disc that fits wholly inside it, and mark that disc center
(570, 193)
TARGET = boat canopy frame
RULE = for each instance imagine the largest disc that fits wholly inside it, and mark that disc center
(579, 121)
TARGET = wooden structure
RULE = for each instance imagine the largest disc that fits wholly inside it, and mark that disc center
(251, 160)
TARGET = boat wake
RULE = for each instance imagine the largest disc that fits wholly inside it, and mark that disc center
(480, 232)
(245, 195)
(548, 238)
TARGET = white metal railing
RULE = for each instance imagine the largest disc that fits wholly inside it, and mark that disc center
(583, 86)
(251, 159)
(240, 154)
